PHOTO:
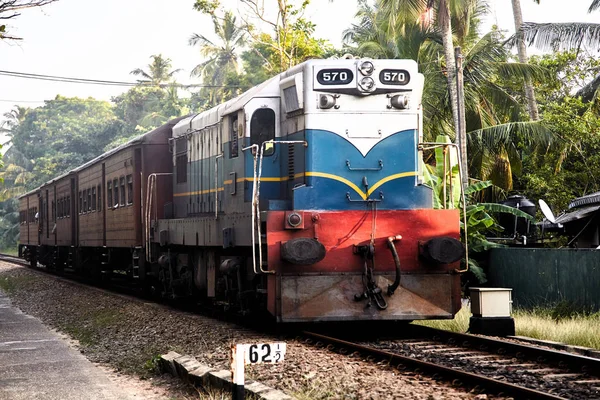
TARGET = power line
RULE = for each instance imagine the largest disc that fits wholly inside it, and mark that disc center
(64, 79)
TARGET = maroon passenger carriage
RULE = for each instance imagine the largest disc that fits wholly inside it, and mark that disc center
(303, 197)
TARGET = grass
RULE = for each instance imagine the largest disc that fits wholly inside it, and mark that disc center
(86, 330)
(10, 284)
(562, 322)
(84, 335)
(577, 329)
(11, 251)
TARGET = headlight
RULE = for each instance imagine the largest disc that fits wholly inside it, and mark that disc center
(399, 101)
(366, 68)
(366, 84)
(326, 101)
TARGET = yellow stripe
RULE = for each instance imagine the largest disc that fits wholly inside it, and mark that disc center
(391, 178)
(198, 192)
(345, 181)
(339, 179)
(264, 179)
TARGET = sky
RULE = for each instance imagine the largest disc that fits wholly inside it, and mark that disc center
(107, 39)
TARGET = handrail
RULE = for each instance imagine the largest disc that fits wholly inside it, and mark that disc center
(216, 185)
(433, 145)
(259, 152)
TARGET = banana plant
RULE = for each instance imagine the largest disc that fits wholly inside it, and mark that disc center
(444, 179)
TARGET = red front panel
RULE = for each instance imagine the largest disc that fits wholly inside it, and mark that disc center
(325, 290)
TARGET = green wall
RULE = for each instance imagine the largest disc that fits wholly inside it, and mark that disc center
(545, 276)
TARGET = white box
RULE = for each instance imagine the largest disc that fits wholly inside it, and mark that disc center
(491, 302)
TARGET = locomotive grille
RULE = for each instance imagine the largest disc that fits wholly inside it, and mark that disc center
(291, 99)
(291, 169)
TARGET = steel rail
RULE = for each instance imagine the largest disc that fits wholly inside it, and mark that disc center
(576, 362)
(13, 259)
(465, 377)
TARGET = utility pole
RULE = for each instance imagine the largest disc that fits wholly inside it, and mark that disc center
(461, 135)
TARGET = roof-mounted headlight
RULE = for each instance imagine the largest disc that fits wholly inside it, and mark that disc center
(366, 84)
(366, 68)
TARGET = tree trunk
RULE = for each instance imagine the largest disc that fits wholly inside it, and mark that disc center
(445, 26)
(446, 31)
(529, 94)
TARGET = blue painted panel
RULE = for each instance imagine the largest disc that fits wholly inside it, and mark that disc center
(329, 179)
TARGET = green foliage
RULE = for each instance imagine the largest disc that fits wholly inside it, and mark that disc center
(143, 108)
(408, 29)
(479, 217)
(64, 133)
(159, 72)
(207, 6)
(567, 168)
(289, 43)
(221, 59)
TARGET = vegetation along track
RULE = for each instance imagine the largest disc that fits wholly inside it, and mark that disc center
(492, 365)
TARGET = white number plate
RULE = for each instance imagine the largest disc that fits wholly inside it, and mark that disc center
(263, 352)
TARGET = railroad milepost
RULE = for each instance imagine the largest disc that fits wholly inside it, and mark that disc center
(242, 354)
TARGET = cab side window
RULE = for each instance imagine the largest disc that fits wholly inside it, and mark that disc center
(262, 129)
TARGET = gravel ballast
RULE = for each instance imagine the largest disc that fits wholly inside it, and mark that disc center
(128, 335)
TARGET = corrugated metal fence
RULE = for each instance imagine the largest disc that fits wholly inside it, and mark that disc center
(546, 276)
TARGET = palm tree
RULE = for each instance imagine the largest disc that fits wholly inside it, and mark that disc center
(522, 52)
(489, 110)
(222, 56)
(12, 119)
(563, 36)
(159, 72)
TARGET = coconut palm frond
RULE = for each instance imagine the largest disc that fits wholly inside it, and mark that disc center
(559, 36)
(533, 133)
(594, 6)
(523, 71)
(402, 11)
(200, 39)
(139, 71)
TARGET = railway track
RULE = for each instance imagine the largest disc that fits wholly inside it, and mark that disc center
(493, 366)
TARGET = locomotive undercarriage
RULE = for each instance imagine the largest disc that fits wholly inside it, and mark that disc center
(213, 276)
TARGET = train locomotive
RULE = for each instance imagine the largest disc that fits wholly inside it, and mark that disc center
(303, 197)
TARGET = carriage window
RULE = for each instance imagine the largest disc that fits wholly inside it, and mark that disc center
(262, 128)
(80, 203)
(59, 205)
(68, 206)
(115, 192)
(233, 138)
(85, 202)
(122, 181)
(129, 189)
(99, 198)
(53, 210)
(89, 199)
(93, 199)
(109, 202)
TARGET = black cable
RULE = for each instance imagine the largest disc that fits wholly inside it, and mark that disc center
(54, 78)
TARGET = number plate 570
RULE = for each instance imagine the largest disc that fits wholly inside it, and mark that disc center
(264, 352)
